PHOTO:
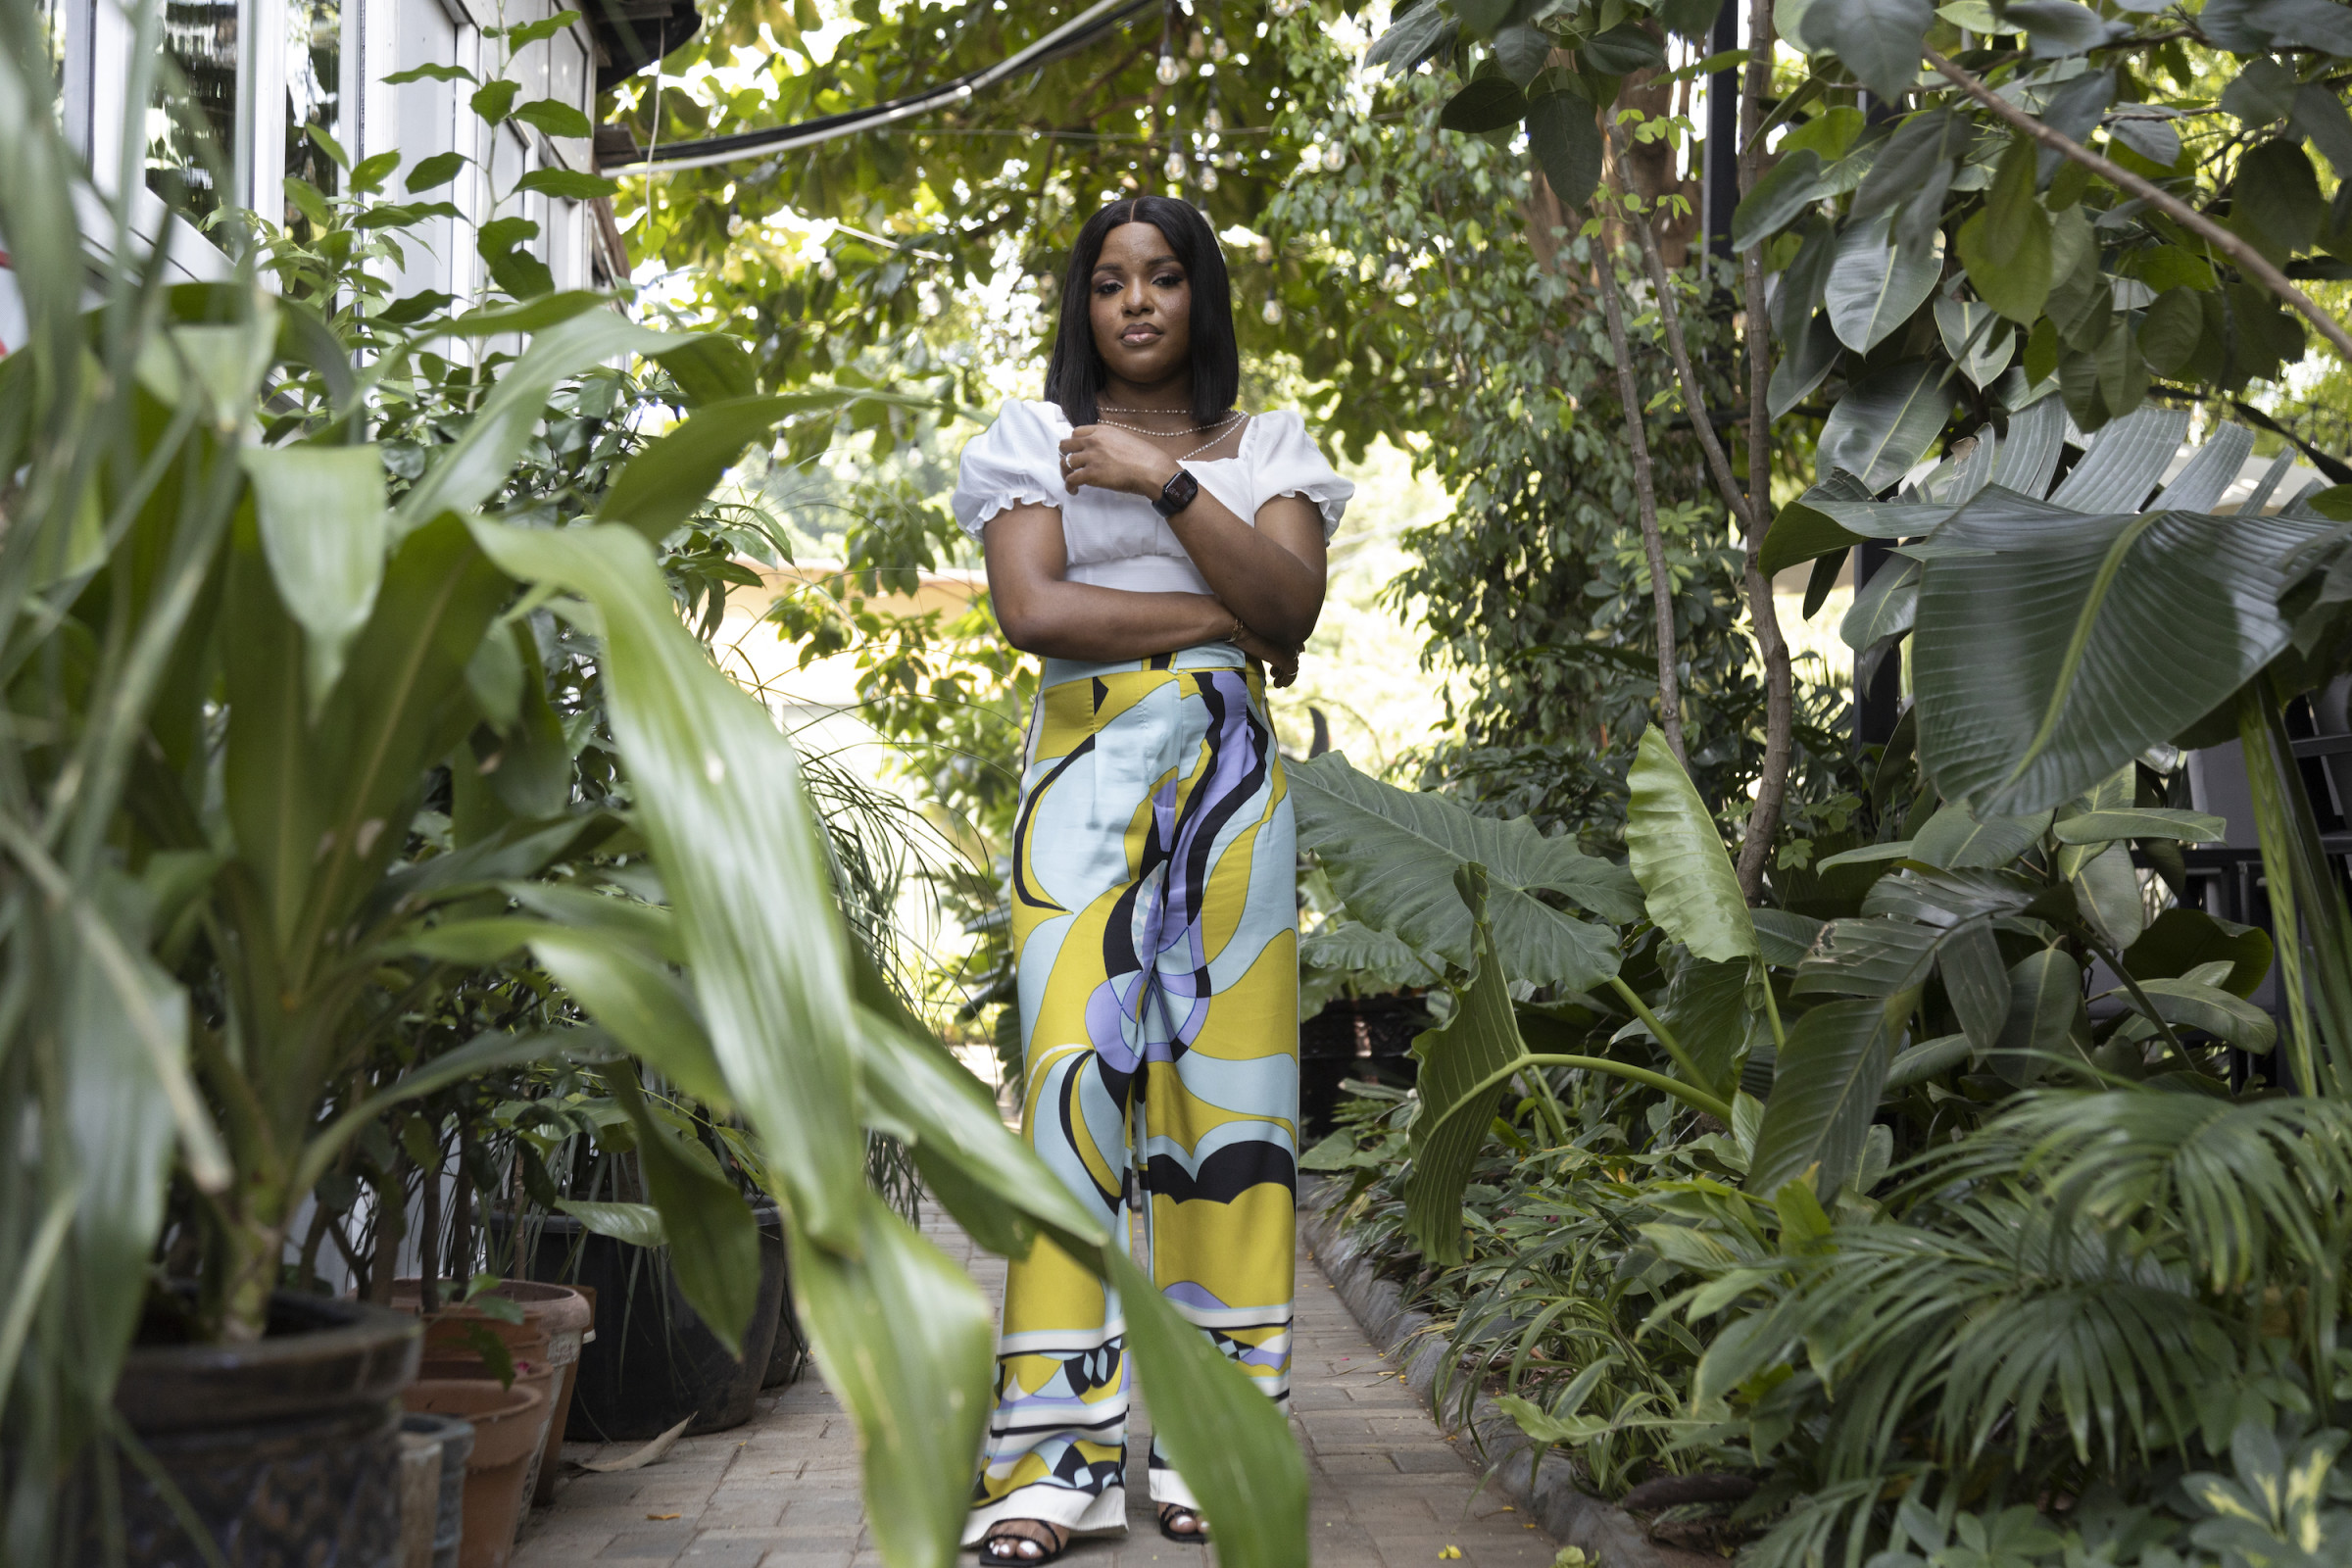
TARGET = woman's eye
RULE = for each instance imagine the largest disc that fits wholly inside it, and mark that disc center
(1169, 280)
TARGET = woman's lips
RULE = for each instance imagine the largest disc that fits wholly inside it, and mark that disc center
(1139, 335)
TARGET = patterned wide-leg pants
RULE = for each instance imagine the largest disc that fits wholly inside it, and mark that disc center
(1155, 933)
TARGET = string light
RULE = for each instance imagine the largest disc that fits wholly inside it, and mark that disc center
(1169, 68)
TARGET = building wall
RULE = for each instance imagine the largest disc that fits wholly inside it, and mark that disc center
(259, 67)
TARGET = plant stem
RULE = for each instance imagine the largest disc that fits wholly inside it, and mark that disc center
(1645, 498)
(1772, 1014)
(2250, 261)
(1658, 1031)
(1763, 611)
(1696, 1099)
(1670, 317)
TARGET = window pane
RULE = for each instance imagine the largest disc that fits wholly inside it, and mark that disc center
(313, 94)
(200, 37)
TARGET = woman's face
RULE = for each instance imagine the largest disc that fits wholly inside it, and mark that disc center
(1141, 306)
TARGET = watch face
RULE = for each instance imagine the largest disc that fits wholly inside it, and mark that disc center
(1176, 494)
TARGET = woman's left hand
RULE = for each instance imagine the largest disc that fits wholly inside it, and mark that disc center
(1115, 460)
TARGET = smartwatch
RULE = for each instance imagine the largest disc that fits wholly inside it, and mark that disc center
(1176, 495)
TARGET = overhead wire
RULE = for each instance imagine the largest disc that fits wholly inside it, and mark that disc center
(1072, 36)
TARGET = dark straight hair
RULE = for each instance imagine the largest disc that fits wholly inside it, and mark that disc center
(1075, 375)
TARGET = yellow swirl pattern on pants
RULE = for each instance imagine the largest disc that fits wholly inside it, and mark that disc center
(1155, 936)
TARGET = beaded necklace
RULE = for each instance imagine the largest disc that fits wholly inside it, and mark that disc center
(1222, 428)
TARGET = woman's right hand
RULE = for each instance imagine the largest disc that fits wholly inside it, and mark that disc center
(1282, 663)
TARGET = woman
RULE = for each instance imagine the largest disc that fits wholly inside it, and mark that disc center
(1157, 547)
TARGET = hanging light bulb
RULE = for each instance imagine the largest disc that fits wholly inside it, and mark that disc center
(1216, 47)
(1174, 168)
(1212, 121)
(1169, 70)
(1208, 176)
(1335, 157)
(1273, 310)
(1264, 249)
(1196, 46)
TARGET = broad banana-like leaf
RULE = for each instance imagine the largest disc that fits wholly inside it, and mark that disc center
(1955, 839)
(322, 517)
(713, 1238)
(1916, 1064)
(1977, 981)
(2200, 485)
(2187, 1005)
(1678, 857)
(2181, 940)
(907, 1345)
(1230, 1442)
(1706, 1008)
(1823, 1093)
(2125, 463)
(1869, 958)
(2141, 822)
(2045, 997)
(1391, 856)
(1975, 338)
(1784, 936)
(720, 798)
(2032, 660)
(2108, 893)
(1948, 897)
(1480, 1040)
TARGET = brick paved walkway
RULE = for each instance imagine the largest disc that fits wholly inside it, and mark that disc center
(782, 1491)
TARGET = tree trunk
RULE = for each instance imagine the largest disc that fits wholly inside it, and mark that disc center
(1780, 693)
(1661, 588)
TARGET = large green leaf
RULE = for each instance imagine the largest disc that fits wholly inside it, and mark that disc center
(1802, 530)
(1706, 1008)
(1791, 186)
(908, 1343)
(1678, 857)
(1977, 982)
(718, 795)
(1566, 142)
(1825, 1089)
(2189, 1005)
(2108, 893)
(1391, 856)
(713, 1238)
(2140, 823)
(660, 487)
(2045, 1000)
(952, 1118)
(1883, 423)
(1875, 285)
(2032, 651)
(1956, 839)
(322, 517)
(637, 1224)
(1869, 958)
(2006, 247)
(1878, 40)
(1230, 1442)
(1457, 1092)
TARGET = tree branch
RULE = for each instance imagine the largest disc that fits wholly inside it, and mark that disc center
(1645, 497)
(2250, 261)
(1763, 612)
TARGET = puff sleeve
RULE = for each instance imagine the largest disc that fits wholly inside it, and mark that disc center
(1289, 463)
(1015, 462)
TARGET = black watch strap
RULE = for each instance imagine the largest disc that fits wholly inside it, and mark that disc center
(1176, 495)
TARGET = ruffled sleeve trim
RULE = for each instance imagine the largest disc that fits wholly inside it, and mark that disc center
(1287, 463)
(1016, 462)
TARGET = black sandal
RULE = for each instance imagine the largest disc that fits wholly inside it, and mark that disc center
(1003, 1542)
(1170, 1512)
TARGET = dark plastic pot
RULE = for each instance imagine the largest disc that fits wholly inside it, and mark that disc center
(788, 1359)
(1355, 1037)
(286, 1451)
(653, 1362)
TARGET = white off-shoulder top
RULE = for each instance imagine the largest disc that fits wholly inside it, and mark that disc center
(1117, 540)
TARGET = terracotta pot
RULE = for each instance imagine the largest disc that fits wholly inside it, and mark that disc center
(568, 1316)
(286, 1449)
(507, 1429)
(532, 1370)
